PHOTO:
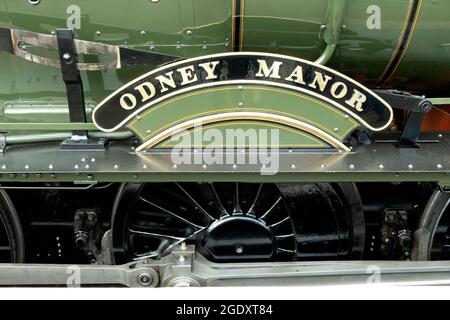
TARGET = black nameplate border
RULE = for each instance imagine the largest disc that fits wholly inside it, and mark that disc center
(243, 68)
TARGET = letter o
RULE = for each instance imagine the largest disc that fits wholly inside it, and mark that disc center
(339, 86)
(128, 101)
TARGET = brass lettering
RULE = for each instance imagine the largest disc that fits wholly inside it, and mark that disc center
(147, 91)
(166, 80)
(210, 68)
(128, 101)
(272, 72)
(188, 75)
(339, 90)
(320, 80)
(297, 76)
(357, 101)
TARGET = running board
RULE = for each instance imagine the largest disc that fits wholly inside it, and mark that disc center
(184, 267)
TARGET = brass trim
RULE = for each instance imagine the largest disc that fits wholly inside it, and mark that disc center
(407, 34)
(258, 116)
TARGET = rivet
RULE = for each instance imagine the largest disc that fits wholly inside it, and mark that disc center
(293, 166)
(336, 129)
(38, 175)
(24, 175)
(144, 166)
(346, 116)
(235, 166)
(143, 33)
(174, 166)
(67, 57)
(12, 175)
(98, 32)
(352, 167)
(93, 160)
(410, 167)
(205, 167)
(83, 160)
(381, 166)
(3, 167)
(205, 47)
(241, 104)
(53, 175)
(27, 167)
(51, 167)
(189, 32)
(87, 167)
(440, 135)
(322, 166)
(77, 167)
(240, 87)
(439, 166)
(116, 166)
(90, 177)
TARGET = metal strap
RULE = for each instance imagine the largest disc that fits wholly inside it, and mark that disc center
(75, 95)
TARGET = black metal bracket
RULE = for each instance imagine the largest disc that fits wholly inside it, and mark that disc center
(417, 106)
(68, 57)
(2, 143)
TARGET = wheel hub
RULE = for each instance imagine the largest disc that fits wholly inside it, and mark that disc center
(239, 238)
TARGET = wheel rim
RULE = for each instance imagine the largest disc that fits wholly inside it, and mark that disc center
(233, 222)
(11, 234)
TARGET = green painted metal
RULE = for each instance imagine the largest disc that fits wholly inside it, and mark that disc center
(189, 28)
(247, 98)
(335, 11)
(288, 138)
(353, 43)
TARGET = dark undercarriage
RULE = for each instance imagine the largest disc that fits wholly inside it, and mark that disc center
(227, 222)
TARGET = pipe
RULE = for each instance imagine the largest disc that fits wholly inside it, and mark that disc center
(49, 137)
(327, 54)
(334, 16)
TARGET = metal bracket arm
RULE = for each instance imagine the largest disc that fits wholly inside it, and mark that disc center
(16, 42)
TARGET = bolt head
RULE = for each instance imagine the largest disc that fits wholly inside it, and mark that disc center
(67, 57)
(145, 279)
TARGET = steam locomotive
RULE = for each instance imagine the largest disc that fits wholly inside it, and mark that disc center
(227, 142)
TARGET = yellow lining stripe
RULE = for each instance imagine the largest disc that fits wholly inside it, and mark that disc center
(399, 53)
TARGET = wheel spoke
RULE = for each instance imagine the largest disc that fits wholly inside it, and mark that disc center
(258, 193)
(155, 235)
(219, 202)
(285, 236)
(281, 250)
(275, 225)
(171, 213)
(237, 206)
(205, 213)
(265, 215)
